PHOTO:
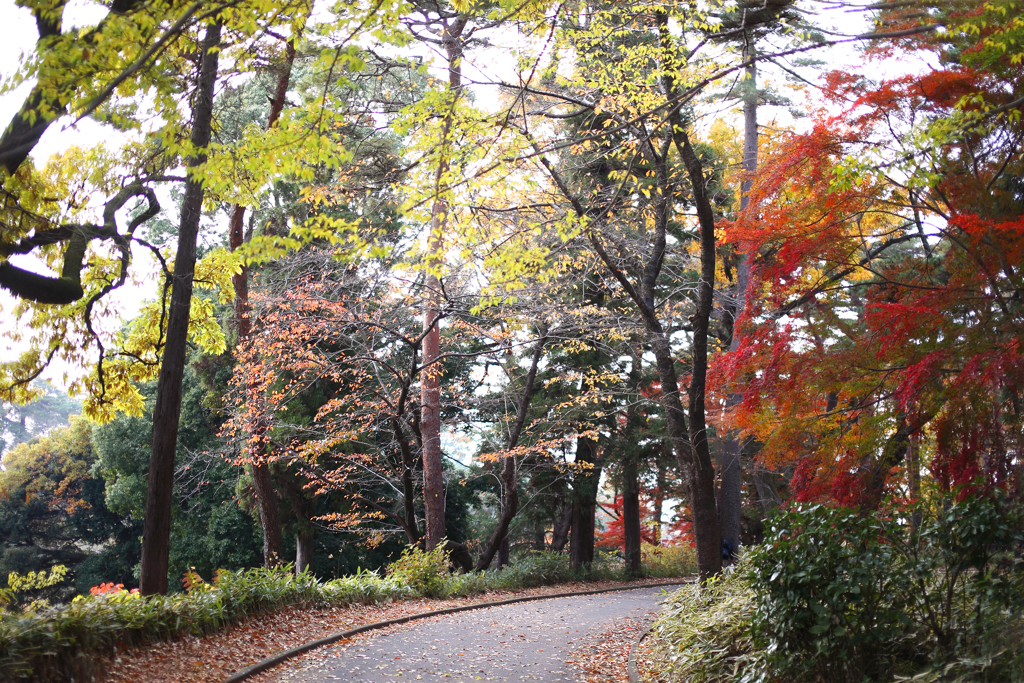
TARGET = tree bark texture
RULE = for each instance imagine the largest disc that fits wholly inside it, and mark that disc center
(584, 505)
(631, 515)
(560, 529)
(156, 530)
(430, 383)
(502, 556)
(266, 508)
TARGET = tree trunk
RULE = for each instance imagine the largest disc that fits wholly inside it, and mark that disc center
(303, 548)
(581, 544)
(631, 515)
(659, 498)
(914, 481)
(302, 506)
(768, 497)
(560, 530)
(270, 518)
(156, 530)
(509, 473)
(263, 485)
(540, 542)
(702, 496)
(503, 552)
(697, 469)
(430, 384)
(730, 489)
(730, 464)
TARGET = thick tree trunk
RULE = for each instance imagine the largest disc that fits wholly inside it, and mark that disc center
(631, 515)
(581, 542)
(560, 529)
(156, 530)
(303, 548)
(502, 556)
(270, 518)
(430, 384)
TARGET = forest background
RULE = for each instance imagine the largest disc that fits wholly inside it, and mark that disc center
(448, 303)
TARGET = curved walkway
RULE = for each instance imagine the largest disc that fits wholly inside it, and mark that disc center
(521, 642)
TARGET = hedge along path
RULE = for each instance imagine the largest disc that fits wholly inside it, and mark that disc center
(274, 660)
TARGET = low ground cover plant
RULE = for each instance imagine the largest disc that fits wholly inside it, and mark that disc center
(837, 595)
(64, 642)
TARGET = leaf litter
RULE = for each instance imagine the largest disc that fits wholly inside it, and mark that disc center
(216, 656)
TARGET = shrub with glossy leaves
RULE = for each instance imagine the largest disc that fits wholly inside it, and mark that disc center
(836, 595)
(846, 596)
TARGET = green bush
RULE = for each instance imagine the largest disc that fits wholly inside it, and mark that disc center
(831, 595)
(842, 596)
(424, 572)
(66, 642)
(836, 595)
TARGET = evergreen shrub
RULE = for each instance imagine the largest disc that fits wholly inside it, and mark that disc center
(835, 595)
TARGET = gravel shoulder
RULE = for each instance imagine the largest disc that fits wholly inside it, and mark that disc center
(217, 656)
(532, 641)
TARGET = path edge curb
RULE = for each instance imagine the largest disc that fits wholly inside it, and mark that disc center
(632, 668)
(274, 660)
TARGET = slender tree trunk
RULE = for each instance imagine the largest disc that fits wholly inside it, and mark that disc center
(411, 527)
(263, 485)
(510, 472)
(581, 543)
(699, 469)
(914, 480)
(631, 515)
(730, 462)
(764, 485)
(156, 529)
(702, 495)
(659, 500)
(430, 401)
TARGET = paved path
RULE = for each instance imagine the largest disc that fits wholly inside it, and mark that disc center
(523, 642)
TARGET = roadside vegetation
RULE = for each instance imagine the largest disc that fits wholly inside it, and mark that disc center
(921, 594)
(40, 642)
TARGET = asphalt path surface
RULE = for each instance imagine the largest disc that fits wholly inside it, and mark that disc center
(528, 641)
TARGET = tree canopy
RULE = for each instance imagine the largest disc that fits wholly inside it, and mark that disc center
(473, 270)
